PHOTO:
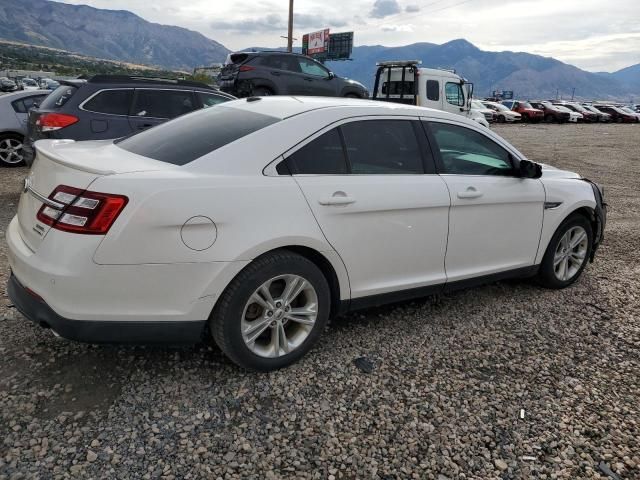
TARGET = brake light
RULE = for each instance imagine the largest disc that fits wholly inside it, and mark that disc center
(55, 121)
(81, 211)
(246, 68)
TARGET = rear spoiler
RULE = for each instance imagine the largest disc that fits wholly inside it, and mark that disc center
(76, 82)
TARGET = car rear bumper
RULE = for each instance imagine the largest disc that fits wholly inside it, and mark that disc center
(35, 309)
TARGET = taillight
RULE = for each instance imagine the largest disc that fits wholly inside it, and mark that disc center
(246, 68)
(81, 211)
(55, 121)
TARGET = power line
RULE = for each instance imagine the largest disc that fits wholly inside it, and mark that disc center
(421, 13)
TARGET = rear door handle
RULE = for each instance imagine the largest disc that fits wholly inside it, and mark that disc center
(470, 192)
(308, 79)
(144, 126)
(277, 74)
(338, 198)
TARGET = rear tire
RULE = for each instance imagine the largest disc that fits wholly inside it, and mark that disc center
(11, 150)
(259, 325)
(352, 95)
(548, 119)
(567, 254)
(262, 92)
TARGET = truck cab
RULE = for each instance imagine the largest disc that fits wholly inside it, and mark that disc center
(406, 82)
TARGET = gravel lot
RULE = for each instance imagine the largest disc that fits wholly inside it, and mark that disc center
(453, 376)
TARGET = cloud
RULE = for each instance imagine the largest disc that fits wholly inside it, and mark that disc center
(397, 28)
(274, 23)
(412, 8)
(384, 8)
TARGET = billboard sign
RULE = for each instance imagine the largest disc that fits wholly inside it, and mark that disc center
(318, 42)
(503, 94)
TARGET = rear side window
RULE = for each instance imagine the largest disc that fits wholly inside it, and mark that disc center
(382, 147)
(433, 90)
(25, 104)
(114, 102)
(211, 99)
(186, 139)
(397, 88)
(162, 103)
(322, 156)
(58, 97)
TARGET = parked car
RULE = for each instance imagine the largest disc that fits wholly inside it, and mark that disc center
(525, 109)
(14, 108)
(49, 84)
(178, 232)
(574, 117)
(630, 111)
(29, 84)
(587, 115)
(280, 73)
(617, 114)
(503, 114)
(602, 116)
(489, 115)
(7, 85)
(552, 113)
(112, 106)
(437, 88)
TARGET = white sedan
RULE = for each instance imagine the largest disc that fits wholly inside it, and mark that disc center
(256, 220)
(503, 114)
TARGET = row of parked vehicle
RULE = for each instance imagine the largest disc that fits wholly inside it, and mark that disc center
(509, 111)
(12, 85)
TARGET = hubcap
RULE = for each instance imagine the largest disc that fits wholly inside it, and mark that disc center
(11, 150)
(279, 316)
(571, 253)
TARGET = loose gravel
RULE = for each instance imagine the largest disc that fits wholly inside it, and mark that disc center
(507, 381)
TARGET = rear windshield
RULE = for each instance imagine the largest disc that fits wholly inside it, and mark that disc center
(190, 137)
(58, 97)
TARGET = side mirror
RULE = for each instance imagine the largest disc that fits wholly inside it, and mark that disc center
(332, 75)
(529, 169)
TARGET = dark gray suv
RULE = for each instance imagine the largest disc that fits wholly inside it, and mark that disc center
(280, 73)
(113, 106)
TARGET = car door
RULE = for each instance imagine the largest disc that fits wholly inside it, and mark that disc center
(152, 106)
(284, 71)
(106, 113)
(371, 186)
(454, 97)
(316, 78)
(496, 217)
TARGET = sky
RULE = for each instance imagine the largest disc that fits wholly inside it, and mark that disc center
(595, 35)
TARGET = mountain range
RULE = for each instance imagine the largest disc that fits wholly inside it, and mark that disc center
(124, 36)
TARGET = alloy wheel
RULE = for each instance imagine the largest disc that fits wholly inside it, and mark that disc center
(279, 316)
(10, 151)
(571, 253)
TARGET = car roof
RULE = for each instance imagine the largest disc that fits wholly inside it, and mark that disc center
(283, 107)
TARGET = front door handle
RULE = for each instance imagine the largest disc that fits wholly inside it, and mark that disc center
(470, 192)
(338, 198)
(307, 79)
(277, 74)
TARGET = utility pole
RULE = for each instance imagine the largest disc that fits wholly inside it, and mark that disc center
(573, 93)
(290, 32)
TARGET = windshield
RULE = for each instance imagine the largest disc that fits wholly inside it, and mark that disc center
(478, 105)
(578, 107)
(501, 107)
(526, 105)
(627, 109)
(563, 109)
(189, 137)
(29, 82)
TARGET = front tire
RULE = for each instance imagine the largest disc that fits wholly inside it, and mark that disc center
(272, 313)
(567, 254)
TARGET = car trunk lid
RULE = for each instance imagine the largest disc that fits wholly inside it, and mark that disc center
(65, 162)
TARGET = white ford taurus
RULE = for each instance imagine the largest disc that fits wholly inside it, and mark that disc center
(256, 220)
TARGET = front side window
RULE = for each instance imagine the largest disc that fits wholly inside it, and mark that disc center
(113, 102)
(322, 156)
(433, 90)
(466, 152)
(382, 147)
(210, 99)
(309, 67)
(162, 103)
(453, 92)
(397, 88)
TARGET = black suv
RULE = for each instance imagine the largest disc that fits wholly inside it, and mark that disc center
(280, 73)
(113, 106)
